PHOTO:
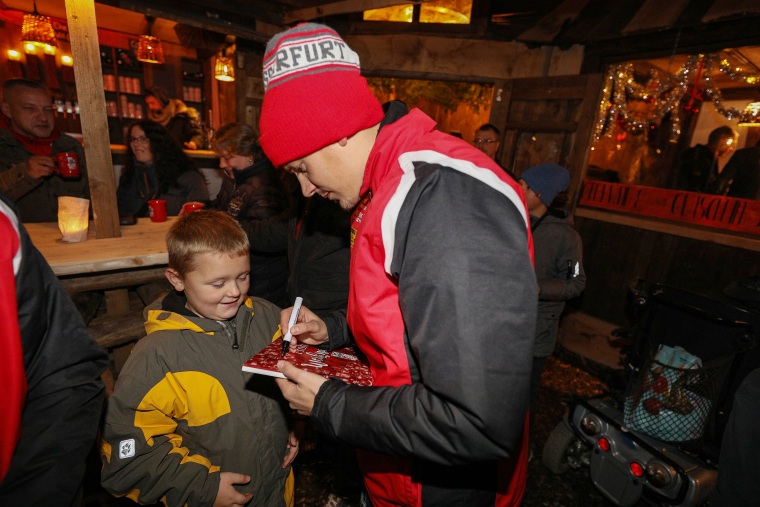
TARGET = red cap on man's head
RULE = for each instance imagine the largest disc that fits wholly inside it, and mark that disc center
(314, 93)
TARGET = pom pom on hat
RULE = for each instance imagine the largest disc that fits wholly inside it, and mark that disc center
(314, 93)
(547, 180)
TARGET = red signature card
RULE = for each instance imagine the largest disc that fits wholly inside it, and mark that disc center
(342, 364)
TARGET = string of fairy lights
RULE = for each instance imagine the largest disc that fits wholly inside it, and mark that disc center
(667, 93)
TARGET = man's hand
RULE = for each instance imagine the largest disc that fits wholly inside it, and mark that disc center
(308, 329)
(300, 387)
(228, 496)
(38, 167)
(190, 145)
(291, 450)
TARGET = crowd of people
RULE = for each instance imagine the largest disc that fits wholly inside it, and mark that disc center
(445, 270)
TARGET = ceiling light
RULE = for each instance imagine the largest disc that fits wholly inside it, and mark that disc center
(149, 48)
(224, 70)
(38, 30)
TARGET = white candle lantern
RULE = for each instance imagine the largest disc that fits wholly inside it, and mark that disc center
(73, 219)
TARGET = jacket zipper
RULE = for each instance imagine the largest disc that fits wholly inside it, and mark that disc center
(231, 334)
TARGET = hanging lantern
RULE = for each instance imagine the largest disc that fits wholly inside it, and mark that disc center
(38, 31)
(149, 48)
(224, 70)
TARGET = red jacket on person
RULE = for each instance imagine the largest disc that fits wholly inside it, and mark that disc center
(443, 303)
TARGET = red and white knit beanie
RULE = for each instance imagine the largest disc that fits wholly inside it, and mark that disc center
(314, 94)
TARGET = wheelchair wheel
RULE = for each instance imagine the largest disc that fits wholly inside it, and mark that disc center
(556, 449)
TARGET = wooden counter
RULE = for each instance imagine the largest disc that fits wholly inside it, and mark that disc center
(140, 246)
(121, 149)
(112, 264)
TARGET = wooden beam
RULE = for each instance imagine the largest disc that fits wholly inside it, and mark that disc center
(550, 25)
(243, 26)
(484, 60)
(706, 234)
(541, 126)
(114, 280)
(341, 7)
(656, 15)
(83, 31)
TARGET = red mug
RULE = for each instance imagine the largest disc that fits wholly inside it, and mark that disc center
(190, 207)
(157, 210)
(68, 164)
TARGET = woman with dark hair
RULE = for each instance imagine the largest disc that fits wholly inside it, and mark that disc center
(157, 168)
(254, 195)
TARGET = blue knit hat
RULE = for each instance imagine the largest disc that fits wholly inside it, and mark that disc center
(547, 180)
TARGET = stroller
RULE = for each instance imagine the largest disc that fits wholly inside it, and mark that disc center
(658, 439)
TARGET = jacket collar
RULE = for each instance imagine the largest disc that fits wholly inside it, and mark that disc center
(252, 170)
(398, 129)
(171, 313)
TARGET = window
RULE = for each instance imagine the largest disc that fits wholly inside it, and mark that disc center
(439, 11)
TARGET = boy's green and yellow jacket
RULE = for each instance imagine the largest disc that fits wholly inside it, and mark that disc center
(183, 410)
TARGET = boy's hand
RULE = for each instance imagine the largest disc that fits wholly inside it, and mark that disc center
(291, 450)
(300, 387)
(308, 329)
(228, 496)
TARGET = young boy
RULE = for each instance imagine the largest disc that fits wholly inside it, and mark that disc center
(184, 424)
(558, 258)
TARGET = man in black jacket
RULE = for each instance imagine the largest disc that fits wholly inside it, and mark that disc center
(741, 176)
(59, 410)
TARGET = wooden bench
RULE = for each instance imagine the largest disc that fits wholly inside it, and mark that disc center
(118, 333)
(114, 331)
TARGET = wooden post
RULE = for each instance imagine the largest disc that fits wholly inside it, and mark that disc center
(83, 30)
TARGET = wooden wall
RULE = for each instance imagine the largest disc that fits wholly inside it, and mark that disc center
(425, 57)
(460, 59)
(616, 255)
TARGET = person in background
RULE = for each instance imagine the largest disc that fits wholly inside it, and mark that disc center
(184, 424)
(181, 121)
(741, 176)
(488, 140)
(319, 256)
(739, 473)
(254, 195)
(156, 168)
(29, 143)
(558, 259)
(442, 290)
(698, 169)
(51, 392)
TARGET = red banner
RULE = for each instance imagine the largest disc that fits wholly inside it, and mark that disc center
(726, 213)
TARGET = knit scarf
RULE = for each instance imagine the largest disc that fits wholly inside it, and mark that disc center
(42, 146)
